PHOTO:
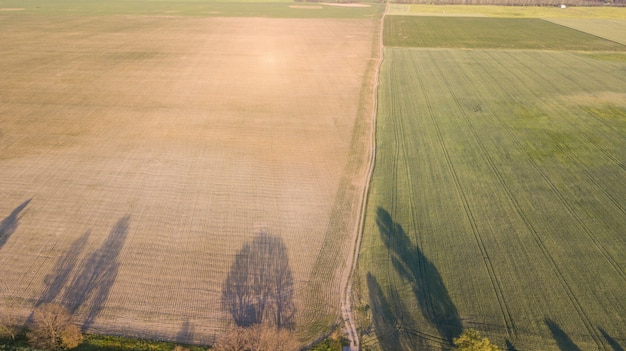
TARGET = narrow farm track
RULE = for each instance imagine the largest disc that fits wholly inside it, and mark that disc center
(346, 283)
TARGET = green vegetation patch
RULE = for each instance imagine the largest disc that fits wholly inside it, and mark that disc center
(245, 8)
(496, 33)
(497, 201)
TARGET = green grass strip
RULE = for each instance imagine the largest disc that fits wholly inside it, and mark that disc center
(489, 33)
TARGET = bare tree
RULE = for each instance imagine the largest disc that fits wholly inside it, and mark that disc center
(51, 328)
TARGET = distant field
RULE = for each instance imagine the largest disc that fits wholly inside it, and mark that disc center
(510, 11)
(220, 8)
(497, 199)
(494, 33)
(611, 29)
(140, 154)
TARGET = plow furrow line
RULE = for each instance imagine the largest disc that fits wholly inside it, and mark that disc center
(546, 252)
(472, 221)
(588, 232)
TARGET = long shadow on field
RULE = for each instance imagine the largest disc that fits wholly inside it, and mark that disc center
(9, 224)
(509, 345)
(186, 333)
(56, 280)
(259, 286)
(91, 285)
(387, 318)
(563, 341)
(612, 342)
(424, 278)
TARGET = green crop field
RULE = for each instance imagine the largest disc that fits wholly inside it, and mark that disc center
(492, 33)
(498, 196)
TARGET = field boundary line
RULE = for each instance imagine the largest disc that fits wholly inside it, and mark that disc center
(346, 282)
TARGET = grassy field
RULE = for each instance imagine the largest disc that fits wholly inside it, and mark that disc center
(220, 8)
(497, 201)
(508, 11)
(493, 33)
(140, 154)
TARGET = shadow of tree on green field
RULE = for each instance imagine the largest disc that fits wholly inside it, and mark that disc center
(509, 346)
(424, 278)
(383, 316)
(612, 342)
(563, 340)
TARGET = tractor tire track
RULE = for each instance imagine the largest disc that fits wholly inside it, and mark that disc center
(546, 252)
(506, 315)
(400, 157)
(588, 232)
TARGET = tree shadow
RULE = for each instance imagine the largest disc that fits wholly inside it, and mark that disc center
(426, 282)
(383, 316)
(563, 341)
(9, 224)
(64, 266)
(91, 286)
(259, 286)
(612, 342)
(509, 345)
(186, 333)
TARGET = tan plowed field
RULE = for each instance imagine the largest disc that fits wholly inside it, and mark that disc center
(139, 154)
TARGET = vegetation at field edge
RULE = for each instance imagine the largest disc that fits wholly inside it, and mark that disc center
(95, 342)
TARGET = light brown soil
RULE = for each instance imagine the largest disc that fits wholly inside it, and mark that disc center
(195, 132)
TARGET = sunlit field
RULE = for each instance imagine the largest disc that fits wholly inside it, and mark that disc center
(142, 150)
(497, 201)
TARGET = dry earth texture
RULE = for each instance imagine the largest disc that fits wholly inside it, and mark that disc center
(139, 154)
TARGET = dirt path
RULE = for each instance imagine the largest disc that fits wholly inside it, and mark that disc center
(352, 259)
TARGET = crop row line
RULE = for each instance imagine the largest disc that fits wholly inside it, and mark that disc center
(506, 313)
(614, 264)
(567, 288)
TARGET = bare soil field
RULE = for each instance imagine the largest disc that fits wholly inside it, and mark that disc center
(139, 154)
